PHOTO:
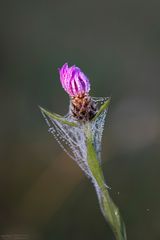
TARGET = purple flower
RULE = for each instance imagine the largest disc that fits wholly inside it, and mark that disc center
(73, 80)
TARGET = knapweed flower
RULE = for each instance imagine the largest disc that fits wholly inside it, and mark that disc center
(73, 80)
(77, 85)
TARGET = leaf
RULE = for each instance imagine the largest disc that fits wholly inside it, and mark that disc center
(58, 117)
(102, 108)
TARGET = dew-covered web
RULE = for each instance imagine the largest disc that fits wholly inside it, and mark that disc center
(72, 139)
(98, 126)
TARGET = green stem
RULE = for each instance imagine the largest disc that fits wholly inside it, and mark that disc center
(109, 209)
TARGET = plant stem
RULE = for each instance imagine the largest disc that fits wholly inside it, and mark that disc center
(108, 208)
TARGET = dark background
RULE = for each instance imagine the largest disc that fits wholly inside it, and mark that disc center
(43, 193)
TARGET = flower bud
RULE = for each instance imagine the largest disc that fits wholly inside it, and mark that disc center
(73, 80)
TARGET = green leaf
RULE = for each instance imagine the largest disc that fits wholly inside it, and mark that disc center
(58, 117)
(102, 108)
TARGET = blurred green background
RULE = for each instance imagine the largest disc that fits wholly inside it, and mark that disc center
(44, 194)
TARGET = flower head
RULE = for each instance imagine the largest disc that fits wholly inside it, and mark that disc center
(73, 80)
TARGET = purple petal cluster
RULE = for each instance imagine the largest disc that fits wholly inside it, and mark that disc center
(73, 80)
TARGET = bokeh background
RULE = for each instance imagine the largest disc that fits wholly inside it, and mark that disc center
(43, 193)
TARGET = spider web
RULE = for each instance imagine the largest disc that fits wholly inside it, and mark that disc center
(73, 140)
(98, 127)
